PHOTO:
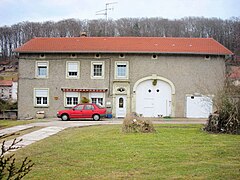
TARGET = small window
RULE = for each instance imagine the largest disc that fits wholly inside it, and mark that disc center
(42, 55)
(121, 55)
(120, 105)
(41, 97)
(72, 69)
(157, 90)
(154, 56)
(149, 90)
(121, 89)
(207, 57)
(97, 56)
(192, 97)
(41, 69)
(73, 56)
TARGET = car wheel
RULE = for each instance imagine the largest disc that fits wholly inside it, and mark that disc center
(64, 117)
(96, 117)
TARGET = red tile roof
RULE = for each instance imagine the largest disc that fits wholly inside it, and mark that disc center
(124, 45)
(5, 83)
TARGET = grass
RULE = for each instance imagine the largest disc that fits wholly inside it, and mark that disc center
(104, 152)
(11, 123)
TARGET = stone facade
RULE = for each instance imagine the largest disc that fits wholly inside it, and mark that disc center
(187, 74)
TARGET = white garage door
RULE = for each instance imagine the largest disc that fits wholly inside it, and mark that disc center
(153, 101)
(198, 106)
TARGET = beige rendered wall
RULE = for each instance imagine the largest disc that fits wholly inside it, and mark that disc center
(189, 74)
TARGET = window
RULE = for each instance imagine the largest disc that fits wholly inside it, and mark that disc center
(97, 98)
(120, 103)
(97, 70)
(97, 56)
(121, 55)
(42, 55)
(72, 69)
(121, 70)
(88, 107)
(41, 97)
(71, 99)
(41, 69)
(80, 107)
(154, 56)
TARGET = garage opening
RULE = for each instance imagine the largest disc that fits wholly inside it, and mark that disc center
(198, 106)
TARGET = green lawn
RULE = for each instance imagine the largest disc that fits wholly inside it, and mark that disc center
(103, 152)
(10, 123)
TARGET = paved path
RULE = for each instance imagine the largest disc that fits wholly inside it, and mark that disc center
(53, 126)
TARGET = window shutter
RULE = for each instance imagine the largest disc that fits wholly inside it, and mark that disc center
(41, 93)
(72, 67)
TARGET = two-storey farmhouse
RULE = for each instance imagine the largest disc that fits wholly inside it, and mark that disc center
(152, 76)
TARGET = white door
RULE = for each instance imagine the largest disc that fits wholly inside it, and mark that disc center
(153, 101)
(121, 104)
(198, 106)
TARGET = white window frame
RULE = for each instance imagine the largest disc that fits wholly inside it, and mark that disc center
(38, 65)
(35, 100)
(92, 69)
(67, 70)
(116, 69)
(71, 94)
(97, 95)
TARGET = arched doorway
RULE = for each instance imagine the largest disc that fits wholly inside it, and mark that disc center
(154, 97)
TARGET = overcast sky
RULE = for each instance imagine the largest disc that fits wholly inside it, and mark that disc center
(14, 11)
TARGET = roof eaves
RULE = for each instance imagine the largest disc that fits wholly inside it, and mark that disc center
(129, 52)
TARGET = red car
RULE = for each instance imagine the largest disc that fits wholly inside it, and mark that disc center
(83, 111)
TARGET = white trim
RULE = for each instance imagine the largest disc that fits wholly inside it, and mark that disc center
(92, 69)
(78, 70)
(34, 97)
(36, 69)
(116, 69)
(154, 76)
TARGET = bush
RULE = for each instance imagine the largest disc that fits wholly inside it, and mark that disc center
(133, 123)
(85, 100)
(8, 168)
(227, 117)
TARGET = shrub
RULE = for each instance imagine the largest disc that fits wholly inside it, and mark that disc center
(8, 168)
(227, 117)
(85, 100)
(133, 123)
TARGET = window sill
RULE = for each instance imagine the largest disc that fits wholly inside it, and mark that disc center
(95, 77)
(72, 77)
(121, 80)
(41, 106)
